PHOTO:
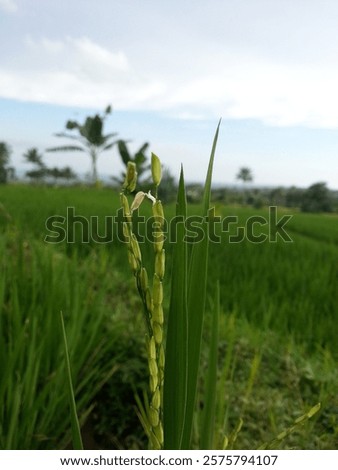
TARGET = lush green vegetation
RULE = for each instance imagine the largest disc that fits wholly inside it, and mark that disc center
(277, 328)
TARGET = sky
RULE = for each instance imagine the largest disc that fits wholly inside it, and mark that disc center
(171, 69)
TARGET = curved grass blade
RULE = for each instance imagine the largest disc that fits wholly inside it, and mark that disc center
(198, 272)
(175, 374)
(76, 433)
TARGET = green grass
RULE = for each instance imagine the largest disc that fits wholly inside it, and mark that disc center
(36, 283)
(290, 288)
(35, 286)
(278, 306)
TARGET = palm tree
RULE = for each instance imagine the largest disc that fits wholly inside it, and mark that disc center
(32, 155)
(139, 158)
(39, 171)
(91, 138)
(244, 174)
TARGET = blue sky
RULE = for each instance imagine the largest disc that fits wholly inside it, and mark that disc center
(171, 69)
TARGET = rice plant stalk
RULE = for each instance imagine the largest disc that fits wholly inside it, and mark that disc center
(151, 296)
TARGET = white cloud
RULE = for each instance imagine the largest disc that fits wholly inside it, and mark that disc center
(78, 55)
(277, 94)
(75, 71)
(8, 6)
(80, 72)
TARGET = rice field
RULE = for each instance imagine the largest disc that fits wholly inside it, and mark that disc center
(278, 325)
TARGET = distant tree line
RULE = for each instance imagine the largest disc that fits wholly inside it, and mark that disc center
(41, 172)
(316, 198)
(89, 137)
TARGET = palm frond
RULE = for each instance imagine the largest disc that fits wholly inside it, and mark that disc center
(65, 148)
(66, 136)
(109, 136)
(109, 146)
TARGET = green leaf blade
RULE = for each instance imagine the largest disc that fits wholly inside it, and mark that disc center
(66, 148)
(175, 382)
(76, 433)
(197, 284)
